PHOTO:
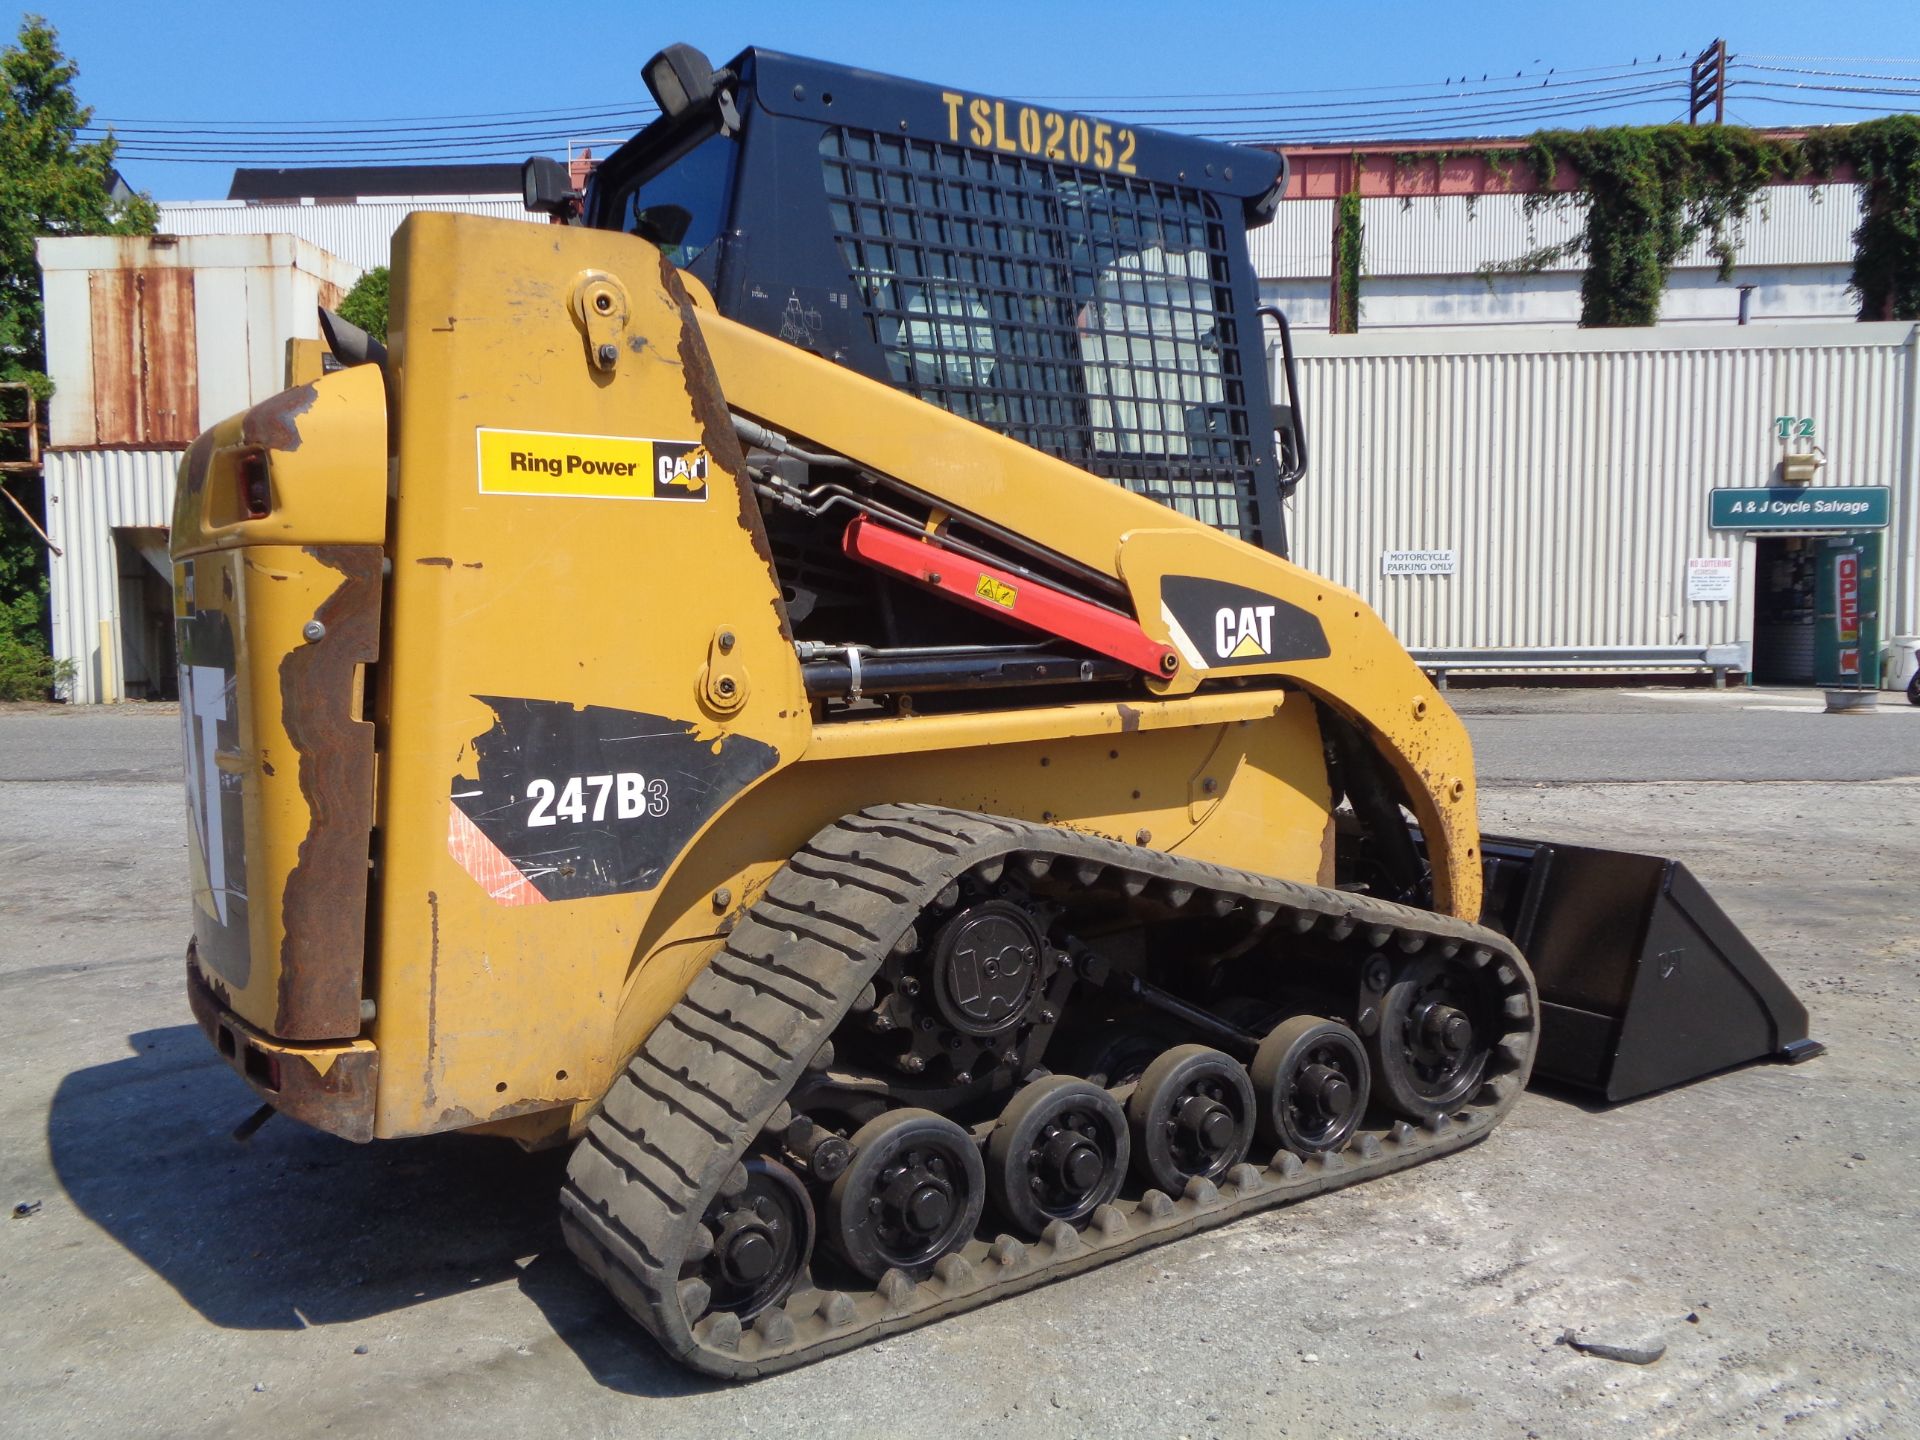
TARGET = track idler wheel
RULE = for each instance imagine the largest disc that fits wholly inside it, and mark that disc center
(1192, 1115)
(1059, 1152)
(1312, 1080)
(914, 1191)
(762, 1237)
(1430, 1050)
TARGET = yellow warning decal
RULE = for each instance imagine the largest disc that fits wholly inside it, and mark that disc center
(591, 467)
(998, 591)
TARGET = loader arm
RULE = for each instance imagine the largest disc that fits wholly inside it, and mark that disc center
(1322, 637)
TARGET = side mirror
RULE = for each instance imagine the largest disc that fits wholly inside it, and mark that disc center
(547, 189)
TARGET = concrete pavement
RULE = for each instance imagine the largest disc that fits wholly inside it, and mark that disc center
(1762, 1223)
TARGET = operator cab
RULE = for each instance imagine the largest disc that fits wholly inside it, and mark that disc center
(1075, 284)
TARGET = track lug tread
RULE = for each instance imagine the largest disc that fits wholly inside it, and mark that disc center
(721, 1331)
(896, 1289)
(954, 1271)
(1110, 1221)
(1061, 1237)
(774, 1327)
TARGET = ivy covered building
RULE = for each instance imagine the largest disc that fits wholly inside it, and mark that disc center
(1445, 239)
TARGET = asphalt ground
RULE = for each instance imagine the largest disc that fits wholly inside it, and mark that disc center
(1761, 1224)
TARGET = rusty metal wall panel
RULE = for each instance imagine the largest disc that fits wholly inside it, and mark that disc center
(1569, 471)
(114, 314)
(90, 494)
(144, 384)
(169, 381)
(205, 318)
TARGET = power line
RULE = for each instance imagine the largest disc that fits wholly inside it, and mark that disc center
(1292, 115)
(1828, 89)
(1355, 104)
(97, 130)
(1822, 105)
(426, 121)
(1738, 63)
(1449, 111)
(1387, 130)
(1621, 65)
(1842, 59)
(187, 147)
(1510, 109)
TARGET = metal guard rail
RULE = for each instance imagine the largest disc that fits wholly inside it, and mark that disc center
(1717, 658)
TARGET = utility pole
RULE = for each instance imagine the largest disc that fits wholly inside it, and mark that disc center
(1707, 88)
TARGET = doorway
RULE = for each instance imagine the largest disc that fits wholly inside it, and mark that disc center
(1785, 587)
(147, 667)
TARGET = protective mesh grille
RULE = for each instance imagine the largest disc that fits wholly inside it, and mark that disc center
(1087, 315)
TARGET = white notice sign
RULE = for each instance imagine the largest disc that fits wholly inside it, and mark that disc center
(1416, 562)
(1710, 577)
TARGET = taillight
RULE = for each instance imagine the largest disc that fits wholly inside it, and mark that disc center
(250, 475)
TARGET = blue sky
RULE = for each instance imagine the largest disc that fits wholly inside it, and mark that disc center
(348, 61)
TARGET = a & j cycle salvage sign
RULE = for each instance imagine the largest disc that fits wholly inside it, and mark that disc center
(1800, 507)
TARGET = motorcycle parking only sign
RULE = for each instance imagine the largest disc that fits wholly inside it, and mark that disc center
(1417, 562)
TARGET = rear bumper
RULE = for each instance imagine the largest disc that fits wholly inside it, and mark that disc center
(328, 1086)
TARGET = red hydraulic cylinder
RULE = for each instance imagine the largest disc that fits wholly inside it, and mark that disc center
(1007, 596)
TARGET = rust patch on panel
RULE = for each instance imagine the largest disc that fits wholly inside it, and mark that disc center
(716, 429)
(324, 907)
(445, 562)
(272, 422)
(337, 1097)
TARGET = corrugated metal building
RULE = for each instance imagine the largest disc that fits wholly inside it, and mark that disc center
(150, 339)
(1568, 473)
(359, 232)
(1424, 262)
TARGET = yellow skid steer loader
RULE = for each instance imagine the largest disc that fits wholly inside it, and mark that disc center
(790, 683)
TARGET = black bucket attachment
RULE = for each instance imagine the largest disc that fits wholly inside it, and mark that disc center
(1644, 981)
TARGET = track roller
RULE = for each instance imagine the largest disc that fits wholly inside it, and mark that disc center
(1312, 1079)
(1192, 1115)
(1059, 1152)
(914, 1191)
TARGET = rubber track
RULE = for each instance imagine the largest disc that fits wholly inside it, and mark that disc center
(676, 1124)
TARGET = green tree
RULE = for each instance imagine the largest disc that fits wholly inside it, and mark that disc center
(52, 182)
(365, 304)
